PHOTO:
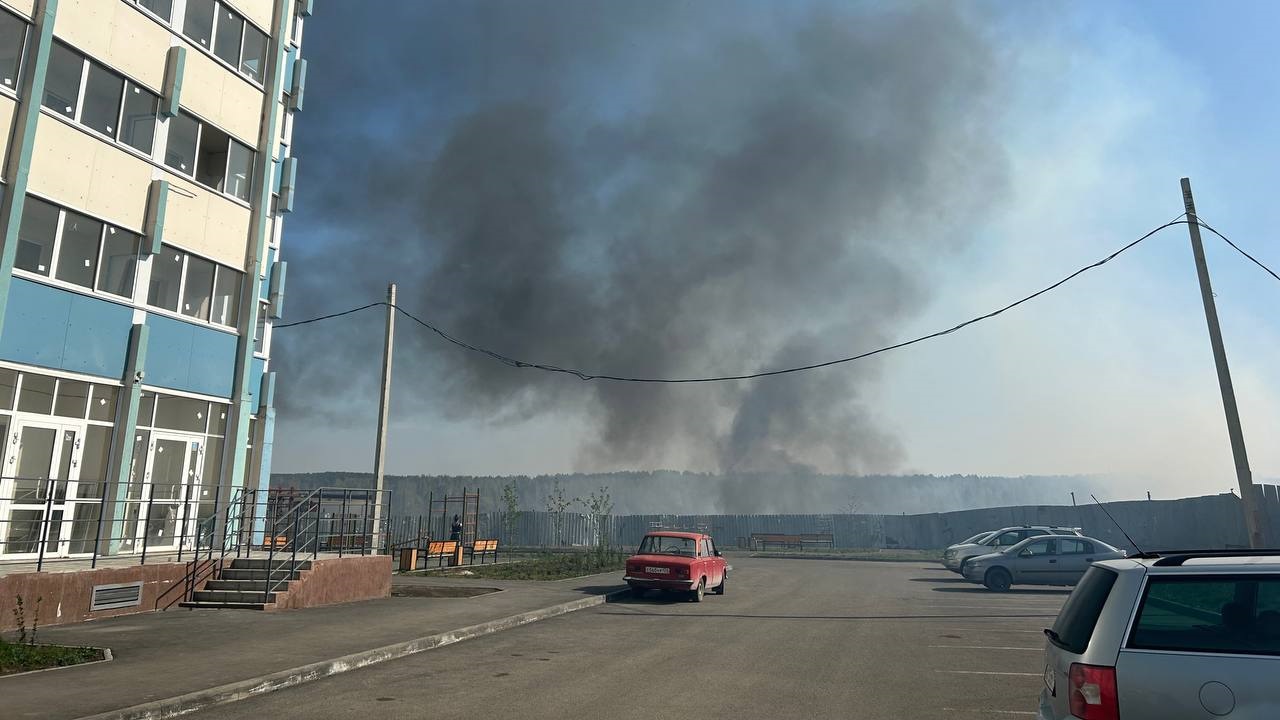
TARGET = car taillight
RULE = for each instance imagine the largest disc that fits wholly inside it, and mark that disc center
(682, 571)
(1093, 692)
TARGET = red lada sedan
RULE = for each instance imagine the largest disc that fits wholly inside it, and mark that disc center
(680, 561)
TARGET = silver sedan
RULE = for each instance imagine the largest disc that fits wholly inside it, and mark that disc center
(1044, 560)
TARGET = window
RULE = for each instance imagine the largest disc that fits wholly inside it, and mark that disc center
(78, 242)
(73, 398)
(161, 8)
(198, 25)
(1075, 547)
(112, 105)
(226, 297)
(166, 278)
(62, 80)
(1079, 616)
(78, 252)
(198, 289)
(239, 168)
(1210, 615)
(138, 122)
(180, 413)
(119, 262)
(36, 237)
(102, 92)
(209, 155)
(194, 286)
(229, 35)
(180, 152)
(216, 27)
(1037, 548)
(664, 545)
(13, 35)
(103, 405)
(211, 159)
(1009, 539)
(253, 60)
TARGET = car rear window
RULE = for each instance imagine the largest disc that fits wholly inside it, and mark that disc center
(1079, 616)
(1220, 614)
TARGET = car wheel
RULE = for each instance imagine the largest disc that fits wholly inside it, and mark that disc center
(696, 594)
(997, 579)
(719, 589)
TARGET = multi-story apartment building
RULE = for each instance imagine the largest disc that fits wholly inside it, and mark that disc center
(144, 150)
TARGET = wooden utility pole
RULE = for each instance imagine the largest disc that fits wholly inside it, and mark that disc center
(380, 454)
(1248, 492)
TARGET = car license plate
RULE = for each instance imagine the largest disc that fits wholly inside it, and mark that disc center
(657, 571)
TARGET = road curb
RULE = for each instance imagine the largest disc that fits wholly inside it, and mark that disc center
(253, 687)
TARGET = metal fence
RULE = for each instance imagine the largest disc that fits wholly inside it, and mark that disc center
(1202, 522)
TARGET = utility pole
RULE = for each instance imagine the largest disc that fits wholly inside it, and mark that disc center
(380, 454)
(1248, 496)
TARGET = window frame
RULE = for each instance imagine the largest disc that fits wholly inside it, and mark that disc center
(218, 269)
(245, 23)
(92, 289)
(1175, 578)
(77, 118)
(193, 176)
(12, 90)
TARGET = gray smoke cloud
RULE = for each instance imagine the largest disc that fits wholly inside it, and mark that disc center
(656, 189)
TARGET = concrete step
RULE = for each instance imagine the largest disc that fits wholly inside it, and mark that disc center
(234, 596)
(223, 605)
(259, 575)
(247, 585)
(263, 563)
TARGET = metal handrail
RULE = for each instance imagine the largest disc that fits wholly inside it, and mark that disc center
(302, 526)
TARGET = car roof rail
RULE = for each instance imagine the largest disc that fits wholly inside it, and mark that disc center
(1177, 557)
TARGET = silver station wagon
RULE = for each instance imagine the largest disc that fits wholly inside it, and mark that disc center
(1168, 637)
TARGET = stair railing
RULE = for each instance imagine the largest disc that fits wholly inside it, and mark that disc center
(322, 520)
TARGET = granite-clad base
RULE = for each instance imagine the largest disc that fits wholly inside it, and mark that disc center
(65, 597)
(338, 580)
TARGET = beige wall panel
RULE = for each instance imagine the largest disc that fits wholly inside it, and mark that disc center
(211, 91)
(118, 35)
(24, 7)
(7, 107)
(87, 174)
(61, 162)
(208, 224)
(258, 11)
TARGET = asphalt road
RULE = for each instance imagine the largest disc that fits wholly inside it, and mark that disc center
(790, 639)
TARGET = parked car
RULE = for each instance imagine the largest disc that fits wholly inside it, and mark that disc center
(955, 557)
(677, 561)
(1042, 560)
(973, 540)
(1172, 637)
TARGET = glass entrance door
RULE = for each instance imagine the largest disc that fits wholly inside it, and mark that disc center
(165, 512)
(38, 488)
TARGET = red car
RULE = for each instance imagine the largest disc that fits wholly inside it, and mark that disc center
(681, 561)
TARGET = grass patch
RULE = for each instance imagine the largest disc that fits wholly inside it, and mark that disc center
(552, 566)
(16, 658)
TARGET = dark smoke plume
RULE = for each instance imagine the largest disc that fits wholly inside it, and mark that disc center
(658, 189)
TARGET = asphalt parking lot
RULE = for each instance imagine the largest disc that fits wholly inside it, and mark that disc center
(791, 638)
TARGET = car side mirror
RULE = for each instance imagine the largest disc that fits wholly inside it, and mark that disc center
(717, 553)
(1025, 553)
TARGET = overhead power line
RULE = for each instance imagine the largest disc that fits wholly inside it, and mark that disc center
(583, 375)
(1254, 260)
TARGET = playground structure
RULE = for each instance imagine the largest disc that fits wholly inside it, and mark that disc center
(421, 540)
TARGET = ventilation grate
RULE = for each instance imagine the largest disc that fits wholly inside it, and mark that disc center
(111, 597)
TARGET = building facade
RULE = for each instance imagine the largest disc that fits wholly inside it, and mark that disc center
(146, 176)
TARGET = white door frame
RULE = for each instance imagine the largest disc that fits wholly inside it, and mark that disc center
(186, 501)
(11, 447)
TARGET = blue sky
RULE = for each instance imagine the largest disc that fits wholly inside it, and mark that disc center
(1095, 113)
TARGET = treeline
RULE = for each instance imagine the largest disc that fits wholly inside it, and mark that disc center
(673, 492)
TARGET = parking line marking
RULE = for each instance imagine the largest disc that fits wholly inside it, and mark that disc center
(985, 647)
(995, 629)
(987, 672)
(991, 712)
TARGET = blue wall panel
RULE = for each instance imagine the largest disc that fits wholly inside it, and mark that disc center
(255, 381)
(186, 356)
(55, 328)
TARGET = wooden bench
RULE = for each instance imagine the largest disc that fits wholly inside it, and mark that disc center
(762, 541)
(279, 542)
(484, 547)
(441, 551)
(827, 540)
